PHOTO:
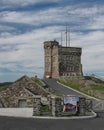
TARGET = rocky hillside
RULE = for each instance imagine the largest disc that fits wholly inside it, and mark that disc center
(25, 82)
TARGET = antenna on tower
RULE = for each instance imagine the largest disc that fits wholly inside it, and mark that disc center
(61, 39)
(69, 37)
(66, 35)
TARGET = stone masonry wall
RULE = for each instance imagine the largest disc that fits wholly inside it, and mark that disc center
(56, 107)
(61, 61)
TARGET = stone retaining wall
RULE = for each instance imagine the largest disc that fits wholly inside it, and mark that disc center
(55, 106)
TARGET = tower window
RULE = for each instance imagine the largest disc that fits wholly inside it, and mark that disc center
(69, 58)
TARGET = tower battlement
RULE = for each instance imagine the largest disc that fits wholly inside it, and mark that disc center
(50, 44)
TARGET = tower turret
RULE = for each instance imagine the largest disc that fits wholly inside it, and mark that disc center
(51, 52)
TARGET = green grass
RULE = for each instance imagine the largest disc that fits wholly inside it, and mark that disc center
(98, 88)
(77, 85)
(72, 83)
(59, 94)
(44, 108)
(3, 86)
(38, 81)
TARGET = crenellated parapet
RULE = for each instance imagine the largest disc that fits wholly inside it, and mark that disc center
(50, 44)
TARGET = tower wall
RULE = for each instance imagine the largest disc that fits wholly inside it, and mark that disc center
(70, 61)
(51, 59)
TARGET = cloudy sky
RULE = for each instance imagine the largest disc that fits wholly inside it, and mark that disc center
(26, 24)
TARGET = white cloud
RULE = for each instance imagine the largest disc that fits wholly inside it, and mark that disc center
(22, 2)
(6, 28)
(34, 18)
(86, 11)
(92, 50)
(98, 22)
(87, 18)
(28, 50)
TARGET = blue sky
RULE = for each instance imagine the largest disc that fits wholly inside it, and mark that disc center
(26, 24)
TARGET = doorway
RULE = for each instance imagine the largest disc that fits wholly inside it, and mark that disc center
(22, 103)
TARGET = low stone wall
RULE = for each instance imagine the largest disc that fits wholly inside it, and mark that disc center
(16, 112)
(55, 107)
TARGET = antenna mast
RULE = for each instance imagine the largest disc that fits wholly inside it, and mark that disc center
(69, 37)
(61, 39)
(66, 35)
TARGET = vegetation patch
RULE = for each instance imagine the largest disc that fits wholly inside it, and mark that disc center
(38, 81)
(98, 88)
(75, 84)
(59, 94)
(4, 85)
(88, 87)
(44, 108)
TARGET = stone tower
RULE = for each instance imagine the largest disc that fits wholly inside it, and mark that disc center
(61, 61)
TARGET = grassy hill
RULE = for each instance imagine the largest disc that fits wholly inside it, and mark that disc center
(87, 86)
(4, 85)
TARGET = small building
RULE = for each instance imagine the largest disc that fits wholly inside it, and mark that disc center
(61, 61)
(21, 93)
